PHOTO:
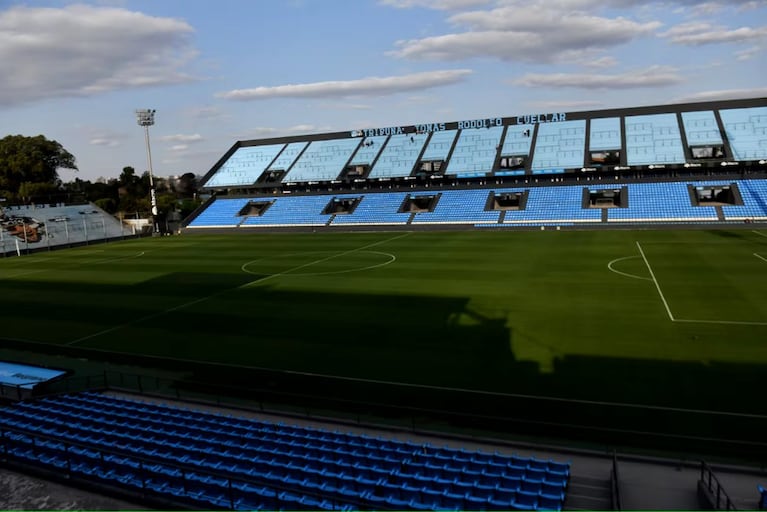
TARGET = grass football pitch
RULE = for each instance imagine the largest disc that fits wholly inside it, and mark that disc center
(665, 318)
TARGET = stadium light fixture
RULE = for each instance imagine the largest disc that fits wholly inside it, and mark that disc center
(145, 118)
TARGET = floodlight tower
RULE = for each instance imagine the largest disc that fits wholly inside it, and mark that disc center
(145, 118)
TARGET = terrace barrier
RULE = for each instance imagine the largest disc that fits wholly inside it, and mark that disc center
(615, 484)
(392, 410)
(711, 490)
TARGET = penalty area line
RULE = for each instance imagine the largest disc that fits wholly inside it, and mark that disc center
(202, 299)
(761, 257)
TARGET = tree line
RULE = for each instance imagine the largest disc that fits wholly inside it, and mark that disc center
(29, 174)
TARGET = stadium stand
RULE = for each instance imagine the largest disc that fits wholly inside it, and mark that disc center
(459, 207)
(655, 153)
(746, 130)
(43, 226)
(293, 211)
(653, 140)
(559, 146)
(474, 152)
(754, 193)
(666, 202)
(368, 151)
(399, 156)
(381, 209)
(245, 166)
(557, 204)
(323, 160)
(209, 460)
(661, 202)
(221, 213)
(439, 145)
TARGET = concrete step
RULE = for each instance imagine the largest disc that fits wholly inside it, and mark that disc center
(588, 493)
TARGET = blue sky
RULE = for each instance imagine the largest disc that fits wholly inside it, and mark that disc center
(231, 70)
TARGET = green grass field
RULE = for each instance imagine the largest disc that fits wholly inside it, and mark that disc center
(672, 318)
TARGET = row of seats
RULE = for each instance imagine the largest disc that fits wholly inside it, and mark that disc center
(647, 202)
(154, 446)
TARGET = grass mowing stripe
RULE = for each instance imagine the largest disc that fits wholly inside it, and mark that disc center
(202, 299)
(333, 256)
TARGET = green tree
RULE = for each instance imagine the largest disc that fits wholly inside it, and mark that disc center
(32, 160)
(31, 192)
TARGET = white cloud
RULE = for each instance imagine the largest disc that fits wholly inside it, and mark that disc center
(208, 112)
(260, 132)
(81, 50)
(748, 53)
(442, 5)
(526, 31)
(103, 141)
(724, 94)
(196, 137)
(179, 147)
(372, 86)
(654, 76)
(697, 33)
(565, 104)
(344, 105)
(601, 62)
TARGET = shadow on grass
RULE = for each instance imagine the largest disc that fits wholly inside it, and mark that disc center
(268, 343)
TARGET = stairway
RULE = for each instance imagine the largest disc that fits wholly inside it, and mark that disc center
(719, 213)
(588, 493)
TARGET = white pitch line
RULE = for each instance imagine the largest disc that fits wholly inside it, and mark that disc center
(610, 267)
(761, 257)
(110, 260)
(202, 299)
(758, 233)
(725, 322)
(652, 274)
(333, 256)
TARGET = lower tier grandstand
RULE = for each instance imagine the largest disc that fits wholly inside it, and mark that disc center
(207, 460)
(698, 201)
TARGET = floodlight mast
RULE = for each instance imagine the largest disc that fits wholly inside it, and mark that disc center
(145, 118)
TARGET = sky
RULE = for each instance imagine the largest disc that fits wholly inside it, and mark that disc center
(221, 71)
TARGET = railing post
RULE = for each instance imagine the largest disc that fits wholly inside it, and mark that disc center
(718, 494)
(69, 460)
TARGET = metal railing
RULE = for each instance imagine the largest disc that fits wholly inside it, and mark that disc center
(713, 485)
(615, 484)
(378, 411)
